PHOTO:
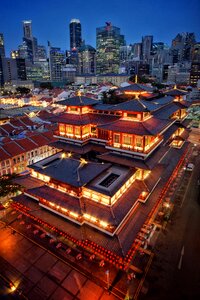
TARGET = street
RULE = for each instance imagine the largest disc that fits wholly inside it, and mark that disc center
(175, 271)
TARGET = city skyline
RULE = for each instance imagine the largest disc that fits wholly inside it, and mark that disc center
(182, 18)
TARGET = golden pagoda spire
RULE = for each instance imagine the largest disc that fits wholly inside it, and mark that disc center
(175, 87)
(79, 93)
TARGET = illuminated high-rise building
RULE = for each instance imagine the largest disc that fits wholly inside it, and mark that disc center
(2, 55)
(75, 33)
(27, 29)
(195, 66)
(147, 43)
(108, 43)
(87, 60)
(56, 63)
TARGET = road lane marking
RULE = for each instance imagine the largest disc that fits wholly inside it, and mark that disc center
(181, 257)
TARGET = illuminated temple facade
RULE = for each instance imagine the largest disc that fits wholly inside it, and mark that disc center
(110, 161)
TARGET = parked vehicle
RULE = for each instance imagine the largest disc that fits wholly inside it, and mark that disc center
(189, 167)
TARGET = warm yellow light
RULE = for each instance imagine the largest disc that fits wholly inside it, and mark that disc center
(83, 161)
(69, 154)
(64, 209)
(79, 93)
(63, 155)
(103, 224)
(73, 214)
(13, 288)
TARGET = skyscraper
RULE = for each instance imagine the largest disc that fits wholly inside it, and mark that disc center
(195, 66)
(29, 47)
(108, 42)
(75, 33)
(182, 46)
(147, 42)
(27, 28)
(2, 55)
(56, 63)
(87, 60)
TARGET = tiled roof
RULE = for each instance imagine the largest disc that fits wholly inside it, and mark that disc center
(175, 92)
(102, 106)
(55, 196)
(80, 149)
(150, 127)
(3, 154)
(136, 87)
(27, 121)
(17, 123)
(122, 159)
(48, 135)
(27, 144)
(135, 106)
(78, 101)
(166, 111)
(163, 101)
(40, 140)
(13, 148)
(183, 104)
(75, 119)
(70, 171)
(7, 128)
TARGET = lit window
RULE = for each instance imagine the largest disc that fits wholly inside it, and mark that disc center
(127, 139)
(116, 138)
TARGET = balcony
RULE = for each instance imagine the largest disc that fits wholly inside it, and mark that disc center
(134, 149)
(74, 137)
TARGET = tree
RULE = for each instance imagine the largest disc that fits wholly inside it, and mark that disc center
(23, 90)
(7, 186)
(46, 85)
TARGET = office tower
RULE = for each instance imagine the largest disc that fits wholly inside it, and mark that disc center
(87, 60)
(27, 29)
(195, 66)
(2, 55)
(137, 51)
(41, 52)
(56, 63)
(28, 49)
(2, 47)
(126, 58)
(75, 33)
(14, 69)
(182, 45)
(108, 42)
(147, 42)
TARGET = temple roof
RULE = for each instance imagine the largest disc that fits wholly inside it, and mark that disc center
(163, 101)
(175, 92)
(69, 170)
(121, 159)
(166, 111)
(136, 87)
(84, 119)
(151, 126)
(79, 149)
(78, 101)
(135, 106)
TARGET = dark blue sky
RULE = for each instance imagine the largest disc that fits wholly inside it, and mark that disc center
(161, 18)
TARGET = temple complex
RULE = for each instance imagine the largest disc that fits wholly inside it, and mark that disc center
(111, 158)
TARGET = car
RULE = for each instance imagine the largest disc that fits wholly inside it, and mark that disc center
(189, 167)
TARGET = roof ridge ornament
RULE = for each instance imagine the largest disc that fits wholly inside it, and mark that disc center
(79, 94)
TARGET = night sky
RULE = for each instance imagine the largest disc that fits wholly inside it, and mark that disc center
(50, 19)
